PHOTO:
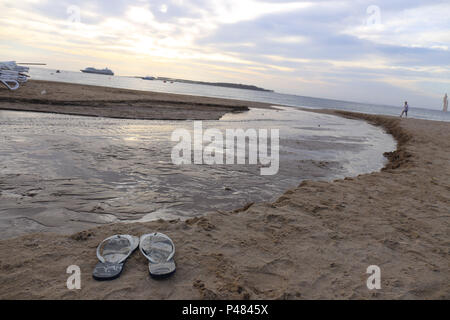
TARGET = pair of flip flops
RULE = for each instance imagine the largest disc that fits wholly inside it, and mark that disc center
(114, 251)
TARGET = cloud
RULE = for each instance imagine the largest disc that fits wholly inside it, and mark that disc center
(426, 26)
(304, 47)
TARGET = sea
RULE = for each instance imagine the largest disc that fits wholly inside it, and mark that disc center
(231, 93)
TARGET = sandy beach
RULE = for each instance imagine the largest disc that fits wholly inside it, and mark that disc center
(315, 242)
(75, 99)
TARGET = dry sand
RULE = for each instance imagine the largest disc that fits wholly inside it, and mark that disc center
(75, 99)
(314, 242)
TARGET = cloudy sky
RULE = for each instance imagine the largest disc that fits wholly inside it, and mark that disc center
(369, 51)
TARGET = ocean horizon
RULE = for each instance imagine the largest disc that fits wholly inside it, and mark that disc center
(133, 83)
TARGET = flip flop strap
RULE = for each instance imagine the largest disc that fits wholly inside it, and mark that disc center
(148, 257)
(110, 238)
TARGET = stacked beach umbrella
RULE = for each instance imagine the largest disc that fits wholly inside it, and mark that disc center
(12, 75)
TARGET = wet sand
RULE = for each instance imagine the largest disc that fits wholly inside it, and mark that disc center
(315, 242)
(76, 99)
(72, 173)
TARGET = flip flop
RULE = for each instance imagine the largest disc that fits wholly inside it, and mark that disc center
(159, 250)
(112, 253)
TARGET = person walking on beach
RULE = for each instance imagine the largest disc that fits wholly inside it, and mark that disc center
(445, 103)
(405, 110)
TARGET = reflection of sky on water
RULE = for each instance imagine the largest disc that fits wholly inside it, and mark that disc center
(127, 163)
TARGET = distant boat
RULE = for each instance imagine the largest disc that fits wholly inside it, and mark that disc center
(148, 78)
(105, 71)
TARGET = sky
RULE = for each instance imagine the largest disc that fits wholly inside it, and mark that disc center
(382, 52)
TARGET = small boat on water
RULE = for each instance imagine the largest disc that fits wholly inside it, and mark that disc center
(148, 78)
(105, 71)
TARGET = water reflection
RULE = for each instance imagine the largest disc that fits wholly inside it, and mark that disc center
(97, 170)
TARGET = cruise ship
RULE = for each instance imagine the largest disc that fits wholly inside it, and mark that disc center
(105, 71)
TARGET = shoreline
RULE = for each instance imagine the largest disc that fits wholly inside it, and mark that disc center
(97, 101)
(314, 242)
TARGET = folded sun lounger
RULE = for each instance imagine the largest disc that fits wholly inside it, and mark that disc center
(112, 253)
(11, 65)
(159, 250)
(12, 75)
(11, 84)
